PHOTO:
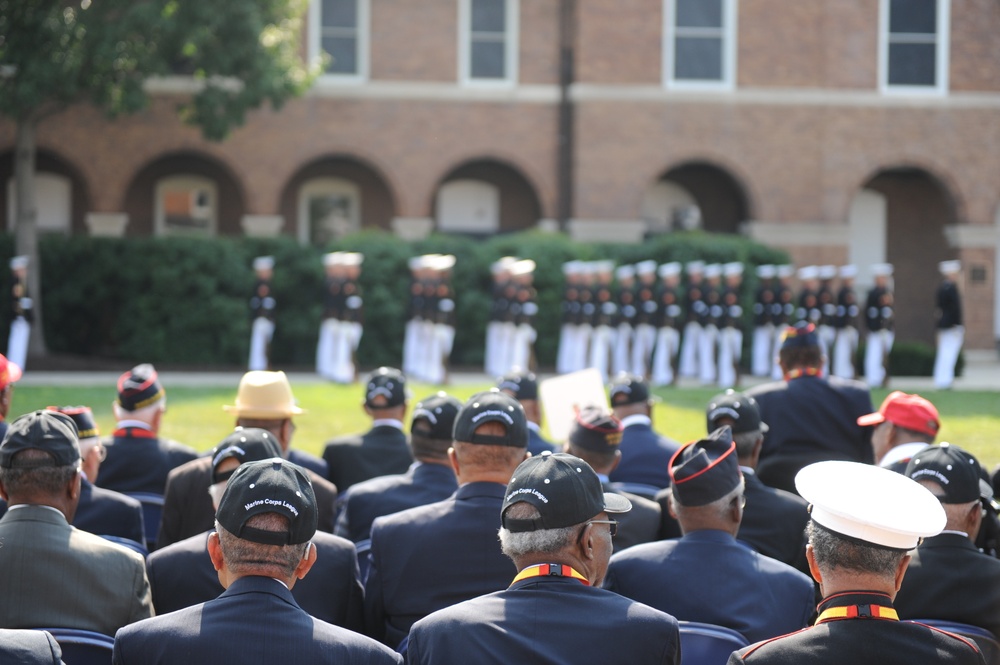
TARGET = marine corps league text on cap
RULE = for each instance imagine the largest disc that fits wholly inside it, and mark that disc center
(269, 486)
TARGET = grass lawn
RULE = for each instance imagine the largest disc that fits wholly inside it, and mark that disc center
(195, 415)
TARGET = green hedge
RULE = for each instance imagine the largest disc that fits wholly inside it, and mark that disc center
(909, 359)
(183, 301)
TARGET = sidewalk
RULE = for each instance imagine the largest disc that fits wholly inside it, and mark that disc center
(982, 372)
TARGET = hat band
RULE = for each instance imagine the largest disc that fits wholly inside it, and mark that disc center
(859, 535)
(265, 537)
(145, 402)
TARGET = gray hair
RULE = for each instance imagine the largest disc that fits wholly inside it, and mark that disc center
(246, 557)
(541, 541)
(745, 442)
(832, 550)
(35, 481)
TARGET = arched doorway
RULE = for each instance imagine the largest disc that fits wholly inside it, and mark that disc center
(484, 197)
(695, 195)
(61, 196)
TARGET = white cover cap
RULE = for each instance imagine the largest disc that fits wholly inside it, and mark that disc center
(18, 262)
(950, 267)
(713, 270)
(263, 263)
(506, 262)
(523, 267)
(809, 272)
(645, 267)
(766, 271)
(333, 258)
(441, 262)
(850, 270)
(625, 272)
(572, 267)
(352, 258)
(827, 272)
(732, 269)
(669, 269)
(785, 271)
(882, 269)
(870, 503)
(603, 266)
(694, 267)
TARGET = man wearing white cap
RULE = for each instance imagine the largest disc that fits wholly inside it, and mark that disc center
(669, 320)
(950, 331)
(20, 309)
(845, 325)
(730, 326)
(763, 324)
(412, 342)
(711, 313)
(262, 305)
(694, 306)
(827, 311)
(626, 317)
(879, 317)
(440, 323)
(647, 314)
(500, 270)
(864, 521)
(808, 309)
(524, 308)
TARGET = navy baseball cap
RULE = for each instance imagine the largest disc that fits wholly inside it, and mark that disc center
(955, 470)
(628, 389)
(492, 406)
(246, 444)
(521, 385)
(706, 470)
(385, 388)
(439, 411)
(269, 486)
(565, 490)
(49, 431)
(742, 409)
(597, 430)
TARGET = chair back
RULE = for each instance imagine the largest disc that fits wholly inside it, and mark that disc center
(83, 647)
(987, 642)
(152, 510)
(363, 548)
(127, 542)
(708, 644)
(643, 490)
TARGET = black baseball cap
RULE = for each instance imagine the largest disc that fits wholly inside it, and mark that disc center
(82, 417)
(564, 489)
(387, 383)
(706, 470)
(521, 385)
(49, 431)
(439, 410)
(955, 470)
(492, 406)
(246, 444)
(628, 389)
(597, 430)
(269, 486)
(740, 407)
(139, 387)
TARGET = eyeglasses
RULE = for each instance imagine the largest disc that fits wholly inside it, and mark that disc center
(612, 525)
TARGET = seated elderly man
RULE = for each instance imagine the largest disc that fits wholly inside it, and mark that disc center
(557, 527)
(948, 577)
(858, 544)
(260, 549)
(54, 574)
(707, 575)
(181, 574)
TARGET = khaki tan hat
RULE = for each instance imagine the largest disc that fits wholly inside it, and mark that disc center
(264, 394)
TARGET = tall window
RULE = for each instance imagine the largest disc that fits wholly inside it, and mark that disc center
(488, 41)
(700, 48)
(914, 48)
(185, 205)
(340, 31)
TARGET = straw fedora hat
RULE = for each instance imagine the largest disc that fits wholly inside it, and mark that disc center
(264, 395)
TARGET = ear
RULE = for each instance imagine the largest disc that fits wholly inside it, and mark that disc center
(670, 505)
(586, 542)
(813, 566)
(3, 493)
(453, 458)
(73, 488)
(618, 458)
(901, 570)
(215, 554)
(307, 561)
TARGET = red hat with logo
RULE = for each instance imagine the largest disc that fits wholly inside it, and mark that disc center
(9, 372)
(911, 412)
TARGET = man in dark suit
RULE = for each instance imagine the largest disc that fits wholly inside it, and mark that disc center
(557, 531)
(858, 543)
(381, 451)
(523, 386)
(263, 400)
(595, 438)
(182, 574)
(948, 577)
(645, 454)
(433, 556)
(53, 573)
(707, 575)
(138, 458)
(428, 480)
(903, 426)
(29, 647)
(774, 521)
(810, 418)
(261, 549)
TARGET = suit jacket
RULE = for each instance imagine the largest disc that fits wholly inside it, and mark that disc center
(421, 484)
(256, 620)
(29, 647)
(188, 510)
(427, 558)
(860, 641)
(58, 576)
(546, 621)
(774, 523)
(639, 525)
(708, 576)
(381, 451)
(182, 575)
(948, 578)
(108, 513)
(307, 461)
(645, 457)
(537, 444)
(811, 419)
(139, 461)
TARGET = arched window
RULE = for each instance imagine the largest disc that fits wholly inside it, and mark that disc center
(468, 206)
(186, 205)
(329, 208)
(53, 197)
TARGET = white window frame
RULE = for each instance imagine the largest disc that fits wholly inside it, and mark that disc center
(941, 60)
(729, 49)
(324, 186)
(53, 215)
(192, 181)
(512, 45)
(363, 41)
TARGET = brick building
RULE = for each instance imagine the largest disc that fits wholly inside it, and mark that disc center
(856, 130)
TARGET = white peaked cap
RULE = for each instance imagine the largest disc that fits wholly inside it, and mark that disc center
(352, 258)
(18, 262)
(441, 262)
(882, 269)
(766, 271)
(786, 270)
(523, 267)
(263, 263)
(625, 272)
(604, 266)
(713, 270)
(694, 266)
(572, 267)
(645, 267)
(870, 503)
(506, 262)
(809, 272)
(950, 267)
(669, 269)
(850, 270)
(732, 269)
(827, 272)
(333, 258)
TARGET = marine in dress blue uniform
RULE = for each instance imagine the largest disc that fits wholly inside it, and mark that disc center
(554, 612)
(428, 558)
(429, 479)
(645, 453)
(706, 575)
(668, 318)
(863, 534)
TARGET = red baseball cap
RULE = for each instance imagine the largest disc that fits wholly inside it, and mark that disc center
(9, 372)
(911, 412)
